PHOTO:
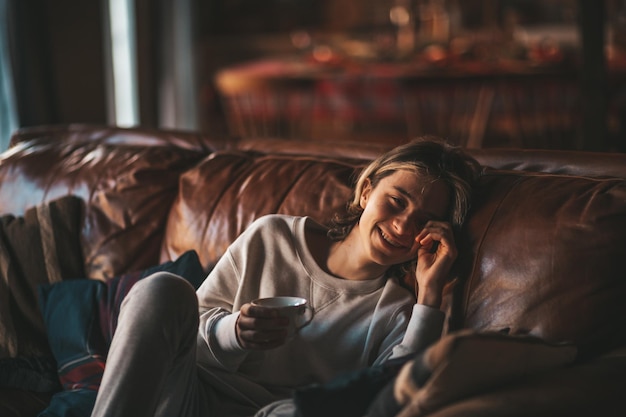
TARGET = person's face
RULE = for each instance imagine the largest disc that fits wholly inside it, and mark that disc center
(395, 212)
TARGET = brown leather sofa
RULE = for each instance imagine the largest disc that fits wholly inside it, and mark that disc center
(543, 251)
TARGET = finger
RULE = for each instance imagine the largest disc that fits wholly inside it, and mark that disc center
(251, 339)
(436, 231)
(434, 228)
(431, 242)
(253, 310)
(265, 336)
(429, 245)
(247, 322)
(260, 333)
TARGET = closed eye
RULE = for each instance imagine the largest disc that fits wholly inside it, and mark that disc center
(398, 202)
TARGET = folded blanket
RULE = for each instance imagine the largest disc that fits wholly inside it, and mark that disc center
(463, 364)
(41, 247)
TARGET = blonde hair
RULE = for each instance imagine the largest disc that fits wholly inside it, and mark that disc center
(427, 156)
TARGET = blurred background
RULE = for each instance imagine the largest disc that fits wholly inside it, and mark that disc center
(483, 73)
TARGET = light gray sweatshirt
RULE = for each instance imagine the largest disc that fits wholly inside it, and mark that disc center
(356, 323)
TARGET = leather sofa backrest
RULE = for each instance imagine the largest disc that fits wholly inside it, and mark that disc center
(591, 164)
(541, 253)
(223, 194)
(111, 135)
(128, 187)
(545, 254)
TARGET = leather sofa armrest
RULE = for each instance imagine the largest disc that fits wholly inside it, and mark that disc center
(591, 388)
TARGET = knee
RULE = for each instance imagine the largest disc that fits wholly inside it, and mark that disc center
(164, 295)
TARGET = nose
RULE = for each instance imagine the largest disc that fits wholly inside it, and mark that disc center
(403, 225)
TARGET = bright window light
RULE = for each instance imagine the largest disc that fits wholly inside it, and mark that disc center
(8, 109)
(123, 60)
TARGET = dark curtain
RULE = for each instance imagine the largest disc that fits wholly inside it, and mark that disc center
(593, 77)
(57, 57)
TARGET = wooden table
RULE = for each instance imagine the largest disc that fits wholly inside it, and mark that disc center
(475, 104)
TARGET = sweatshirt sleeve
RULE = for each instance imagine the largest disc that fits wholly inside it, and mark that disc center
(424, 328)
(217, 340)
(240, 275)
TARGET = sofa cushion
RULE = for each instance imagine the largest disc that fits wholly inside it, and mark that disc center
(223, 194)
(81, 317)
(43, 246)
(545, 254)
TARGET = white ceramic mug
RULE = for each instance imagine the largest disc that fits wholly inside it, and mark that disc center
(296, 309)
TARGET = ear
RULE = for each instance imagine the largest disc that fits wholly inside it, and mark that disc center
(365, 194)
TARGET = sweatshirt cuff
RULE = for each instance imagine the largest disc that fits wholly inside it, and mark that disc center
(225, 333)
(424, 328)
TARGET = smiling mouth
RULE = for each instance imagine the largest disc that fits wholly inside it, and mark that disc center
(390, 240)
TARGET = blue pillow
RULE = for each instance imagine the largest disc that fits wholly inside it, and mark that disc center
(81, 317)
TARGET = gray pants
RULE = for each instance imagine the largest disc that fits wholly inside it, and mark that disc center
(151, 366)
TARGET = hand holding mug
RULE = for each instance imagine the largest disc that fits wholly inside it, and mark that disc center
(267, 323)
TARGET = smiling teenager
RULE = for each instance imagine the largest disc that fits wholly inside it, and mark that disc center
(238, 357)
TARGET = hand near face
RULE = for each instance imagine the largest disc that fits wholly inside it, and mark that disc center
(260, 328)
(436, 252)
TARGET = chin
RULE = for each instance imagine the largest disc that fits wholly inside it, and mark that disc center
(386, 259)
